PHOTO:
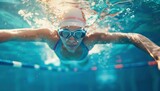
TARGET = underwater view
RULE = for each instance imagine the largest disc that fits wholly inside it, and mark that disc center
(34, 66)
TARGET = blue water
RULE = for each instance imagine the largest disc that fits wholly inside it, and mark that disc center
(137, 16)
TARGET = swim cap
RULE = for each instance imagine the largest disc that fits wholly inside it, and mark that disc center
(73, 17)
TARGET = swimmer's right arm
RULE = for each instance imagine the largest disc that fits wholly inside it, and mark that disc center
(25, 35)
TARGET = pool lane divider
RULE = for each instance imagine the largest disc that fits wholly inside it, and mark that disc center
(18, 64)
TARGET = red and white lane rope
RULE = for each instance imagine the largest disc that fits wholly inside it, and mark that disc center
(58, 69)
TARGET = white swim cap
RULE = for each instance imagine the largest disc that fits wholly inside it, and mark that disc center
(73, 17)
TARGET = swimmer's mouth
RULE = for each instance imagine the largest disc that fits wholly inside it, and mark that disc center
(72, 45)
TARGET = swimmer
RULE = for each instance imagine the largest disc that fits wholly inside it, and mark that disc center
(71, 41)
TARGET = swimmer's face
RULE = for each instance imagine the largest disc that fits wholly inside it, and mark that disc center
(71, 43)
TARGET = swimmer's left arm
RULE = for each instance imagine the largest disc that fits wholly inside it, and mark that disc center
(129, 38)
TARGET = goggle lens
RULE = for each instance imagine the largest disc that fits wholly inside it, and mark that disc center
(65, 33)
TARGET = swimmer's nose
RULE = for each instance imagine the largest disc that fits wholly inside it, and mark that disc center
(71, 38)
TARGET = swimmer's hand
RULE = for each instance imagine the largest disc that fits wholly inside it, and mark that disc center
(158, 62)
(156, 54)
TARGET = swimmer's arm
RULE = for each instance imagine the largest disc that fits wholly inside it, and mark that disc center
(24, 35)
(128, 38)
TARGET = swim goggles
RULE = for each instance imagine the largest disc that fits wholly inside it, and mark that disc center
(77, 34)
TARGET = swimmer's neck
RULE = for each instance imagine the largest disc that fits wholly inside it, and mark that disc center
(70, 51)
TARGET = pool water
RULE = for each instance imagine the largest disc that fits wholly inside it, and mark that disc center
(135, 16)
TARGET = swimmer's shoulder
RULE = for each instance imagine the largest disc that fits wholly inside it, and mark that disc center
(89, 40)
(92, 38)
(51, 36)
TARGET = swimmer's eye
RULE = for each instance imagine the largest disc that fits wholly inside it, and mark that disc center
(65, 33)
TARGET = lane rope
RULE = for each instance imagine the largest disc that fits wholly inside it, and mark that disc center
(18, 64)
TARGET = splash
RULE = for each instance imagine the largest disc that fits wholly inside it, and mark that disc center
(46, 13)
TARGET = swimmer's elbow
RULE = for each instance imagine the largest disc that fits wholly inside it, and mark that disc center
(123, 38)
(134, 37)
(117, 38)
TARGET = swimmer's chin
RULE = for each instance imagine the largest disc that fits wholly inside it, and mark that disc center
(72, 51)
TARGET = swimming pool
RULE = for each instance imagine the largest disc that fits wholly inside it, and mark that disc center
(135, 16)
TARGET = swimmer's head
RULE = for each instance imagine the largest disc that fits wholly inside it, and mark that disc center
(72, 20)
(71, 37)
